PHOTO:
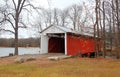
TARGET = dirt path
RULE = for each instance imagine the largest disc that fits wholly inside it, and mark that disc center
(40, 58)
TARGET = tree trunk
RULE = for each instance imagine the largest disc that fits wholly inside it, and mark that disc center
(16, 33)
(16, 42)
(74, 24)
(118, 31)
(110, 28)
(96, 29)
(104, 38)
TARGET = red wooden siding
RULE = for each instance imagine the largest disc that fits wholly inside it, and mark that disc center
(81, 45)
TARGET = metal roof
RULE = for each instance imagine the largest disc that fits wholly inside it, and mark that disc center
(73, 31)
(65, 29)
(68, 30)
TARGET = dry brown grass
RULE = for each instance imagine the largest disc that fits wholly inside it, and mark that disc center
(75, 67)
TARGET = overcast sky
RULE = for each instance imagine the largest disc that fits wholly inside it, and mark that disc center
(43, 3)
(57, 3)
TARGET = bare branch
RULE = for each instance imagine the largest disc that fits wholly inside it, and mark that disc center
(24, 26)
(12, 16)
(14, 4)
(36, 8)
(21, 6)
(31, 6)
(10, 23)
(7, 31)
(5, 19)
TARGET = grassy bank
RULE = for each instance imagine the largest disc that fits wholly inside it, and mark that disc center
(76, 67)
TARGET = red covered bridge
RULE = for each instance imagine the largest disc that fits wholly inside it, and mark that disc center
(58, 39)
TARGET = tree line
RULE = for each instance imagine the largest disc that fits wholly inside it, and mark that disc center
(107, 25)
(78, 17)
(25, 42)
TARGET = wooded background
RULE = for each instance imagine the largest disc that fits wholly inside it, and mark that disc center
(25, 42)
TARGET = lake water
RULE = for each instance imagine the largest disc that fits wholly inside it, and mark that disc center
(6, 51)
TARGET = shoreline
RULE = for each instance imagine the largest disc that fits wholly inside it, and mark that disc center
(20, 47)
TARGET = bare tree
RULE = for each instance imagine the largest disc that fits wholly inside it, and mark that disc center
(95, 28)
(118, 27)
(104, 44)
(12, 14)
(75, 12)
(64, 16)
(110, 31)
(56, 16)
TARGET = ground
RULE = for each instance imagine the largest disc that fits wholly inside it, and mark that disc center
(72, 67)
